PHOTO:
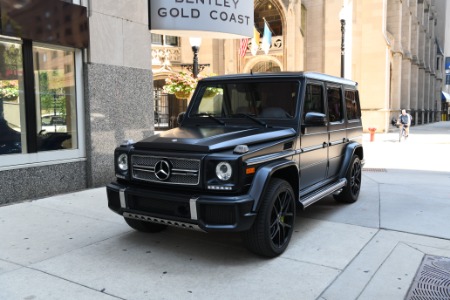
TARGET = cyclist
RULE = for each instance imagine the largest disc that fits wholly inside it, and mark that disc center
(404, 120)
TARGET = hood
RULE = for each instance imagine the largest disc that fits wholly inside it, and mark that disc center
(202, 139)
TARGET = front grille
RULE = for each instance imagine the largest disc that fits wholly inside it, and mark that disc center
(166, 207)
(218, 214)
(182, 171)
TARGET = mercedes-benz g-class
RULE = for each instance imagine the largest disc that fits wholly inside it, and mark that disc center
(249, 151)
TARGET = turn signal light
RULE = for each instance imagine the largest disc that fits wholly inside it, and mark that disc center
(249, 171)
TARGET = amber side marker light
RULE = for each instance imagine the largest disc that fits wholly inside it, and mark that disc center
(249, 171)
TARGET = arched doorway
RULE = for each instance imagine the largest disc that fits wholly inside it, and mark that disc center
(270, 12)
(263, 64)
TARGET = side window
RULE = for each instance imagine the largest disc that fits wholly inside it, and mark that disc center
(313, 99)
(351, 104)
(334, 97)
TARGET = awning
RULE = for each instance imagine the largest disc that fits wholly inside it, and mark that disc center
(445, 97)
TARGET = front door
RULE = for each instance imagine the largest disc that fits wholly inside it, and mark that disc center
(314, 139)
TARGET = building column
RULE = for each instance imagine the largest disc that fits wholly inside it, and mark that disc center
(420, 95)
(407, 56)
(394, 27)
(293, 39)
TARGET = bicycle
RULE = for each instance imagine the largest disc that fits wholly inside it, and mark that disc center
(402, 132)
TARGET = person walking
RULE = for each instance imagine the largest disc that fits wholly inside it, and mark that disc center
(404, 121)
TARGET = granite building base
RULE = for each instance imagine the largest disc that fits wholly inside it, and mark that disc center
(38, 182)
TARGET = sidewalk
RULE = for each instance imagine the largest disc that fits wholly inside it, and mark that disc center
(73, 247)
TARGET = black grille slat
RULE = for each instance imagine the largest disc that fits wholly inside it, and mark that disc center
(183, 171)
(178, 209)
(218, 214)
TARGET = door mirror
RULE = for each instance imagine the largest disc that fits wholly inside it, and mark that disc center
(180, 118)
(315, 119)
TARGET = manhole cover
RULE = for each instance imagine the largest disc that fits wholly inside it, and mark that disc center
(432, 281)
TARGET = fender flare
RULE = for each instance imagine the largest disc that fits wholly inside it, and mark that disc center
(262, 178)
(351, 149)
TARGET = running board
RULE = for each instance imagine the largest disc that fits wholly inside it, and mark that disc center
(325, 191)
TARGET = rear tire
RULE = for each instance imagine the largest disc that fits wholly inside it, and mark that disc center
(271, 233)
(144, 226)
(350, 192)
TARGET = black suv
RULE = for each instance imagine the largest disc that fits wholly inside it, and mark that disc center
(250, 149)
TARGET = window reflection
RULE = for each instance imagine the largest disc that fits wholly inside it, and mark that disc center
(55, 98)
(11, 105)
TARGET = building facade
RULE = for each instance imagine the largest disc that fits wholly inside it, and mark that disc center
(75, 80)
(443, 31)
(390, 47)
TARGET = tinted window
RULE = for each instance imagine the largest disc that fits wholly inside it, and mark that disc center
(351, 104)
(259, 99)
(313, 99)
(334, 97)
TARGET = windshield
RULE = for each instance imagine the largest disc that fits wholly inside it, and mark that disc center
(266, 100)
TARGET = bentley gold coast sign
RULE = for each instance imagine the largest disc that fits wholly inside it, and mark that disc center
(202, 18)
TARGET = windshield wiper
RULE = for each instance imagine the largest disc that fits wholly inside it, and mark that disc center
(251, 118)
(209, 116)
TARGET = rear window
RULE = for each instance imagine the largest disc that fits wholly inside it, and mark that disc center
(352, 105)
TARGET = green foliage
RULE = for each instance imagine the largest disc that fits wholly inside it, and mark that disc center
(8, 90)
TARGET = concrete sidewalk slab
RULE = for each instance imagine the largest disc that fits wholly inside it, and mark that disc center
(169, 266)
(377, 268)
(33, 284)
(31, 233)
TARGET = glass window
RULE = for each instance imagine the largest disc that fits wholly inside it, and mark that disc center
(157, 39)
(334, 97)
(12, 126)
(313, 99)
(165, 40)
(46, 119)
(272, 100)
(55, 99)
(351, 103)
(171, 40)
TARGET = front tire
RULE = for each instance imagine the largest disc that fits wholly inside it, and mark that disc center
(350, 192)
(144, 226)
(271, 233)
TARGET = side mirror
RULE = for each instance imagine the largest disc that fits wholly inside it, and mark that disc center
(315, 119)
(180, 118)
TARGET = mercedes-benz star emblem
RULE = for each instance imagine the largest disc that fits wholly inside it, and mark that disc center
(162, 170)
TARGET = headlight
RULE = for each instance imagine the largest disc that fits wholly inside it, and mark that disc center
(122, 162)
(224, 171)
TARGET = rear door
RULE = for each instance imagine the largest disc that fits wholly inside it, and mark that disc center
(314, 139)
(336, 128)
(353, 115)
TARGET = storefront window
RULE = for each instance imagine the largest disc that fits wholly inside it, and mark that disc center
(40, 101)
(55, 99)
(12, 133)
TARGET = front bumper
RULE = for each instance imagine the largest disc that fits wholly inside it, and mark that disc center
(205, 212)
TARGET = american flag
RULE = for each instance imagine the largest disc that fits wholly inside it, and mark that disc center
(243, 47)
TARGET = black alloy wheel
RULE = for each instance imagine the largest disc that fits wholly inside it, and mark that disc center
(351, 191)
(144, 226)
(272, 230)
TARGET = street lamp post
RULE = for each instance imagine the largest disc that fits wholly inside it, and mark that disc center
(195, 44)
(342, 18)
